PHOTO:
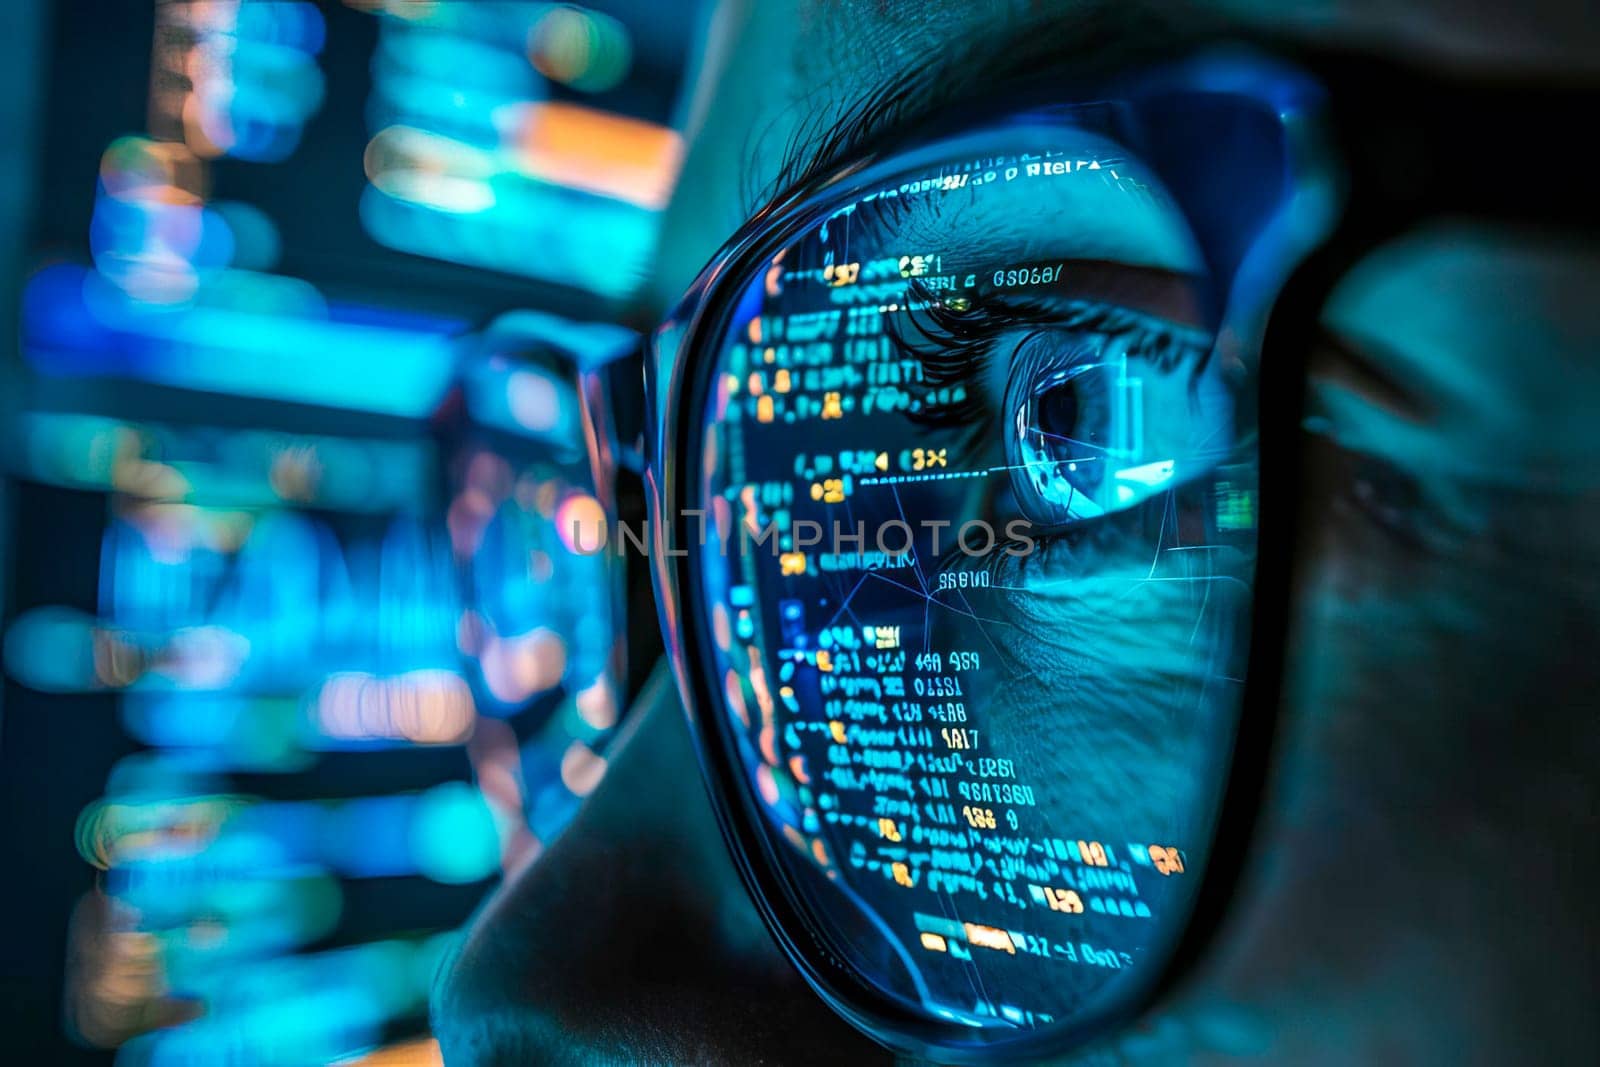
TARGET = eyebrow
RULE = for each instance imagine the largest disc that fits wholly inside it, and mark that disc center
(1018, 58)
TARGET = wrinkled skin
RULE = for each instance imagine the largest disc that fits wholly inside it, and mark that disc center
(1417, 891)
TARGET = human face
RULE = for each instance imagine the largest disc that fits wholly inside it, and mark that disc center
(1450, 516)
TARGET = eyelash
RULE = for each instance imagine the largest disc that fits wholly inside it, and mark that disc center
(956, 345)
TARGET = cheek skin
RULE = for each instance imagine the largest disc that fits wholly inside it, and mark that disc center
(1115, 694)
(1421, 887)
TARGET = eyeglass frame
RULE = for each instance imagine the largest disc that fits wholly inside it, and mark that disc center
(1397, 141)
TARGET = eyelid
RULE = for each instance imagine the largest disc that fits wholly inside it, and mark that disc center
(1154, 291)
(1110, 206)
(960, 348)
(1166, 296)
(1337, 360)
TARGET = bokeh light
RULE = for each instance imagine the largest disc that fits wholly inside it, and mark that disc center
(306, 656)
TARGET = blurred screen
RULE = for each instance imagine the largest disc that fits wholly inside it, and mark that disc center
(296, 659)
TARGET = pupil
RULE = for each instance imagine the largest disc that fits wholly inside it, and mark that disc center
(1058, 410)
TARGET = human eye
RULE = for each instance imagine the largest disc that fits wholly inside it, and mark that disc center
(1097, 405)
(976, 617)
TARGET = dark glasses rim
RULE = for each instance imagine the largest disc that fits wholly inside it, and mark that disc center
(1374, 211)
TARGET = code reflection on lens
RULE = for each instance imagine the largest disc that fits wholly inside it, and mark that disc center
(977, 572)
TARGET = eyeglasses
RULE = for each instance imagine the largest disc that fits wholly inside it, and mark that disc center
(972, 471)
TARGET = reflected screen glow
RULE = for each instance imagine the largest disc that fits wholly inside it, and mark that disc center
(978, 583)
